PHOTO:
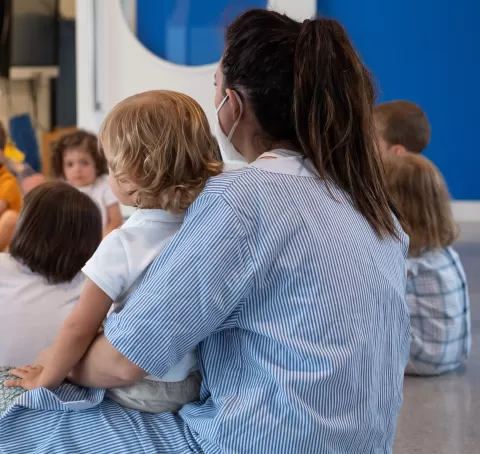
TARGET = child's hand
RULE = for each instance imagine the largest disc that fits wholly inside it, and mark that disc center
(29, 378)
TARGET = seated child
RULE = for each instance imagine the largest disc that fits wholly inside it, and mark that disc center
(10, 197)
(58, 230)
(401, 126)
(76, 159)
(437, 294)
(160, 154)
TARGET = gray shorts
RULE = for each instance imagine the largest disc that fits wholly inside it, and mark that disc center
(157, 396)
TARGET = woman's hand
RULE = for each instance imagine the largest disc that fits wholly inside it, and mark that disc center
(28, 378)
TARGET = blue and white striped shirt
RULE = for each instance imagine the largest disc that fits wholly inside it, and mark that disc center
(299, 312)
(437, 296)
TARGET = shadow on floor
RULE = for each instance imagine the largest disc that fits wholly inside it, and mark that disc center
(441, 415)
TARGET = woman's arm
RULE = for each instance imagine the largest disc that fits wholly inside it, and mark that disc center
(114, 218)
(198, 282)
(104, 366)
(70, 345)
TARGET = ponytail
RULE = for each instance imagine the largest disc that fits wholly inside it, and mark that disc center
(333, 98)
(312, 91)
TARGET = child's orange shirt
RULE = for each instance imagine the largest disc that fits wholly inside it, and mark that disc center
(9, 190)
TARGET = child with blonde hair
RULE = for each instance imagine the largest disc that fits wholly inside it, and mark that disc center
(160, 153)
(77, 160)
(437, 293)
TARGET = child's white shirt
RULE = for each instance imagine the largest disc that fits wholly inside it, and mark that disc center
(122, 259)
(99, 191)
(32, 311)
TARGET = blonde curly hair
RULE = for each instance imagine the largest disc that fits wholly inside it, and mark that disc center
(160, 142)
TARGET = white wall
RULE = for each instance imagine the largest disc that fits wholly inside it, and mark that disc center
(112, 64)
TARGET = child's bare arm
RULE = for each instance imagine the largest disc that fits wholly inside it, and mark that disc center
(73, 340)
(114, 216)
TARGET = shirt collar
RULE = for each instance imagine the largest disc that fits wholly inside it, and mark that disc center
(155, 215)
(287, 162)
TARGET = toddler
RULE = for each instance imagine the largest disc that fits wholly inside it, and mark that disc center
(76, 159)
(401, 126)
(437, 293)
(160, 154)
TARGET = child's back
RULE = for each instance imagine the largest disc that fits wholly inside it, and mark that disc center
(122, 259)
(31, 310)
(437, 297)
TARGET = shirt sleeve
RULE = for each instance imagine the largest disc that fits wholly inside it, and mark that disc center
(108, 268)
(10, 193)
(195, 286)
(109, 198)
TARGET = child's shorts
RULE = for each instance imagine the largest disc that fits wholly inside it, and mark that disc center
(7, 395)
(157, 396)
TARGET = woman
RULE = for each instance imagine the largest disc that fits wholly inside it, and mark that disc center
(289, 275)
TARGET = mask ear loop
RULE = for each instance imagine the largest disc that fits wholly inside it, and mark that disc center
(224, 100)
(234, 127)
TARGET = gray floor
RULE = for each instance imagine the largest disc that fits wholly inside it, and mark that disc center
(442, 415)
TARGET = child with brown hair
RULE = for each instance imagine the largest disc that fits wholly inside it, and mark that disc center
(437, 293)
(10, 197)
(77, 160)
(160, 154)
(401, 126)
(58, 230)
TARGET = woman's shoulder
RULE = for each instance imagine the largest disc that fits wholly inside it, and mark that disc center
(223, 183)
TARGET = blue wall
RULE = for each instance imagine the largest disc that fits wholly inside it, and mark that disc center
(426, 51)
(188, 32)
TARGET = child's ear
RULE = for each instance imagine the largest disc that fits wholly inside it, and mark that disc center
(398, 149)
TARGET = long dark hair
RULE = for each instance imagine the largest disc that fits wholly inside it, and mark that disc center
(308, 87)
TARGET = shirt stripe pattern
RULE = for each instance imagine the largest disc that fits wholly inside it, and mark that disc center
(298, 309)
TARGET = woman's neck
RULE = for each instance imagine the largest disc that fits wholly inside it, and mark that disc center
(256, 147)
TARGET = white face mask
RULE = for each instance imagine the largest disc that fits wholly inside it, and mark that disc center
(230, 155)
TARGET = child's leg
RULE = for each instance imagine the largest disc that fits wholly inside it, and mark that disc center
(7, 395)
(157, 397)
(8, 221)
